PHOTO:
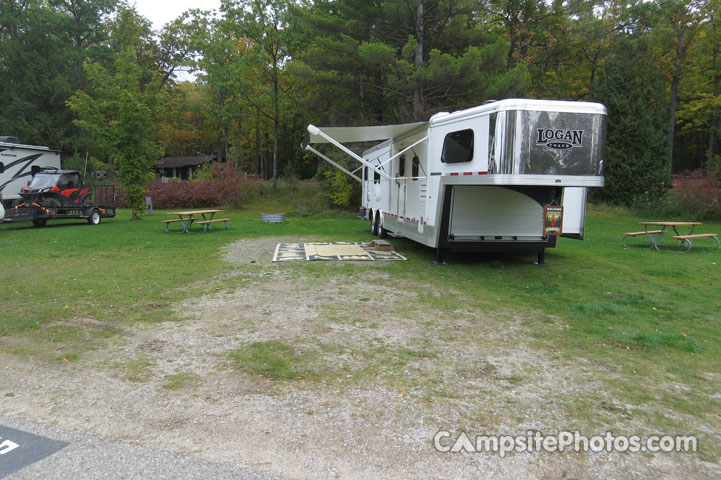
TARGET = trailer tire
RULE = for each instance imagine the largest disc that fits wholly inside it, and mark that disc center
(94, 218)
(39, 222)
(380, 231)
(374, 225)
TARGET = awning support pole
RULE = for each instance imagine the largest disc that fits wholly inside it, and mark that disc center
(335, 164)
(405, 150)
(317, 131)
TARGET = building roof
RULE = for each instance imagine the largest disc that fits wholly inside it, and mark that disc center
(177, 162)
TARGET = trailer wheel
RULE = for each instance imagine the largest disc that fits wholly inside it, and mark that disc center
(382, 232)
(374, 225)
(94, 218)
(39, 222)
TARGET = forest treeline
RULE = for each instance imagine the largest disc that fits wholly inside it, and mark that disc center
(91, 77)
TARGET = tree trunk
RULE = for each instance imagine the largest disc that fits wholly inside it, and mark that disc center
(276, 121)
(236, 158)
(419, 108)
(258, 158)
(267, 157)
(681, 50)
(713, 126)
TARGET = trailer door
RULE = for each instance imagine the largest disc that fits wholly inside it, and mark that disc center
(574, 212)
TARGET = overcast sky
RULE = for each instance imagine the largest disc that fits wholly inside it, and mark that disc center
(161, 12)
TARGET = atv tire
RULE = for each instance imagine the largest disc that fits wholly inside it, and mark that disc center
(94, 218)
(39, 222)
(51, 205)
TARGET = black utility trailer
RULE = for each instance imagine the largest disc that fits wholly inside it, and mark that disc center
(62, 194)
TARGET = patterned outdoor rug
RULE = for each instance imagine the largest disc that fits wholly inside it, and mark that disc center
(359, 251)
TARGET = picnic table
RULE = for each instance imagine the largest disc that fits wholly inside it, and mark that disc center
(656, 234)
(188, 217)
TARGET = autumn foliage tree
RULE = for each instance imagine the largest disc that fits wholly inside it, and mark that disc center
(118, 111)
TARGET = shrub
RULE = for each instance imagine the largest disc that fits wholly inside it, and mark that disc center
(695, 196)
(698, 191)
(225, 186)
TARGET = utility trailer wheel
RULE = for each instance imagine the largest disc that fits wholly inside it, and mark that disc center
(39, 223)
(94, 218)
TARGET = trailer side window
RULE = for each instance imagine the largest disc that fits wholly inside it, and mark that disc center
(458, 147)
(492, 143)
(402, 166)
(376, 177)
(415, 167)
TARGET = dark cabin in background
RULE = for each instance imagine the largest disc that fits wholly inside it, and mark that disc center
(181, 167)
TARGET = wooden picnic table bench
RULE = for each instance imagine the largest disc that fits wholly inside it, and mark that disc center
(650, 233)
(206, 223)
(687, 239)
(168, 222)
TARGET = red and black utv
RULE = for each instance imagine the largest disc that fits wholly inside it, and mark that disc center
(62, 194)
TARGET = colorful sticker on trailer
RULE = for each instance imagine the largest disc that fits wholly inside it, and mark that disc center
(552, 220)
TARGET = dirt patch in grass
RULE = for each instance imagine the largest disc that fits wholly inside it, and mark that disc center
(338, 371)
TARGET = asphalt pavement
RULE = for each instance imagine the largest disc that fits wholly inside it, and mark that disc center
(29, 450)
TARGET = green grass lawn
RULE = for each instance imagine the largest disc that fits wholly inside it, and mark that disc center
(647, 319)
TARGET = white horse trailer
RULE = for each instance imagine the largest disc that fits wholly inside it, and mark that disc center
(509, 175)
(18, 163)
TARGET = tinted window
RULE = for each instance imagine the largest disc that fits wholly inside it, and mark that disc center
(492, 143)
(402, 166)
(458, 147)
(415, 167)
(376, 177)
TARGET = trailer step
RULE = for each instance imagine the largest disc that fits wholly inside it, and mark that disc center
(381, 246)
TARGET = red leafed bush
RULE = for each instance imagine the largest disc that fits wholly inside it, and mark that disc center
(225, 186)
(698, 191)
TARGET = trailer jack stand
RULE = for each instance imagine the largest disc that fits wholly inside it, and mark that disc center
(439, 257)
(541, 258)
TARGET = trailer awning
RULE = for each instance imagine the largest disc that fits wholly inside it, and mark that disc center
(361, 134)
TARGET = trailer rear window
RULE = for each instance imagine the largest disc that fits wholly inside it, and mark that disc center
(458, 147)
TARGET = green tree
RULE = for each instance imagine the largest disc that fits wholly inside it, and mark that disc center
(43, 45)
(403, 60)
(118, 112)
(678, 23)
(265, 23)
(700, 95)
(633, 89)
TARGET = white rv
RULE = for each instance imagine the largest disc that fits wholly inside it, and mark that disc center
(18, 163)
(508, 175)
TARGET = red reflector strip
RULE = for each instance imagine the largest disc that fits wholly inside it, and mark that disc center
(482, 173)
(454, 174)
(467, 173)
